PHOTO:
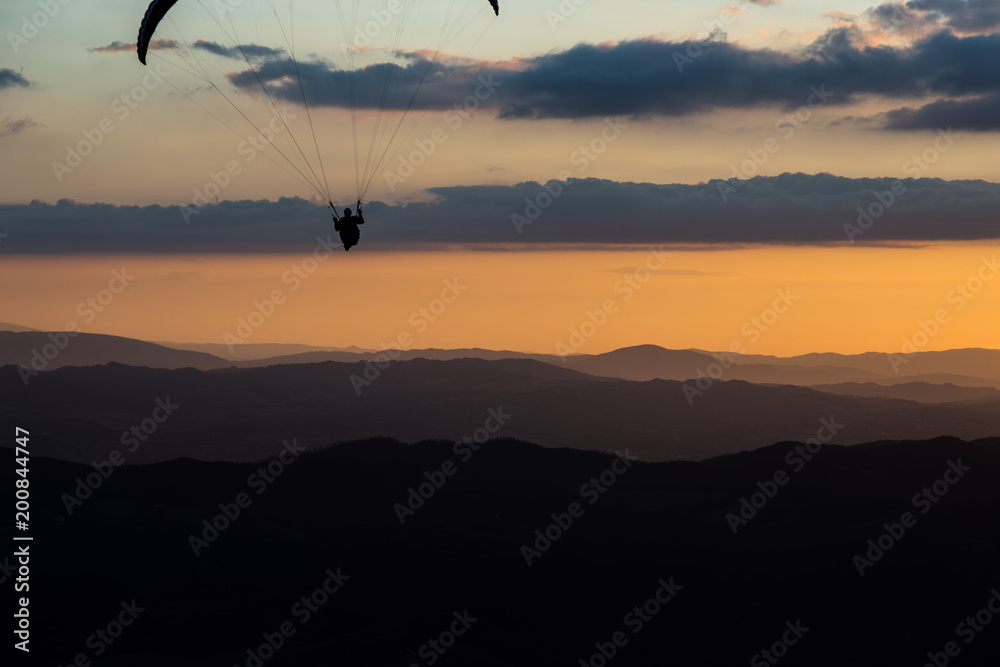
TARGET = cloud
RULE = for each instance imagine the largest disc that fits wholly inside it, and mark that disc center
(441, 83)
(897, 22)
(130, 47)
(10, 127)
(779, 210)
(9, 79)
(979, 114)
(655, 78)
(961, 16)
(239, 52)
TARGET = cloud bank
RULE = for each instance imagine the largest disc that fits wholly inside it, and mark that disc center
(785, 209)
(656, 78)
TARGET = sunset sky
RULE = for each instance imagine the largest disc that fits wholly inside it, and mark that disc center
(685, 163)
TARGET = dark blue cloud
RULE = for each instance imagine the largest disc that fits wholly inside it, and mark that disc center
(130, 47)
(10, 127)
(648, 77)
(9, 79)
(965, 16)
(785, 209)
(388, 85)
(239, 52)
(979, 114)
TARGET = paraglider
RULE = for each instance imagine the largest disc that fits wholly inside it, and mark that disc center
(348, 227)
(309, 169)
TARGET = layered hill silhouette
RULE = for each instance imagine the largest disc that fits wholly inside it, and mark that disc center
(7, 326)
(254, 351)
(923, 392)
(494, 544)
(44, 351)
(237, 414)
(972, 362)
(967, 368)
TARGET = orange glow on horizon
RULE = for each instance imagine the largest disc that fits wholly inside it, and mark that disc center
(836, 299)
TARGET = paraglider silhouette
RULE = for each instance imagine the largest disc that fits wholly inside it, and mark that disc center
(384, 138)
(347, 225)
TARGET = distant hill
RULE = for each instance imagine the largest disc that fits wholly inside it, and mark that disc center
(649, 362)
(486, 545)
(973, 362)
(642, 362)
(238, 414)
(973, 367)
(401, 355)
(50, 351)
(251, 351)
(639, 363)
(967, 368)
(922, 392)
(7, 326)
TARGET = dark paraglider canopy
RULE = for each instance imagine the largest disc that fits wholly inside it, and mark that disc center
(158, 9)
(154, 14)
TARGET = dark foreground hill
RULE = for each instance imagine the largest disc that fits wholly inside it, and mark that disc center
(630, 558)
(83, 414)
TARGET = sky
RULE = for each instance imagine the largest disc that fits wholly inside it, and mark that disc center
(547, 158)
